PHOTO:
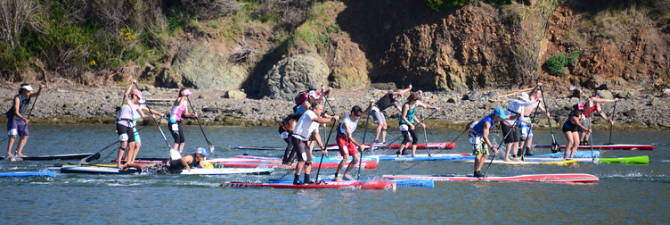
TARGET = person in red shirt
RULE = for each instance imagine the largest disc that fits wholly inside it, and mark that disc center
(590, 107)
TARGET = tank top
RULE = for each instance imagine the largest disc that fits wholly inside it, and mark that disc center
(479, 127)
(591, 110)
(568, 123)
(126, 115)
(176, 113)
(410, 114)
(351, 124)
(23, 106)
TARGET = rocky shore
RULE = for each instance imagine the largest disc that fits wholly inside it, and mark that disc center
(66, 103)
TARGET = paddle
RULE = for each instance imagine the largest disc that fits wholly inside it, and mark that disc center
(211, 147)
(555, 147)
(97, 154)
(593, 159)
(499, 145)
(365, 132)
(325, 146)
(525, 142)
(613, 111)
(425, 136)
(174, 154)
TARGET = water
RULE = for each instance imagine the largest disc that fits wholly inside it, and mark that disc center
(626, 194)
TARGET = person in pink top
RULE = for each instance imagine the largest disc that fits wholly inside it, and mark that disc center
(179, 110)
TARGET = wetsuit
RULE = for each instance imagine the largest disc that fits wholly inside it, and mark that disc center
(176, 167)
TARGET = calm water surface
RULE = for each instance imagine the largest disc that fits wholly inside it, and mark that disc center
(626, 194)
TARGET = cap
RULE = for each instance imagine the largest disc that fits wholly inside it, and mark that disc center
(201, 151)
(579, 106)
(314, 94)
(523, 96)
(500, 112)
(138, 93)
(186, 92)
(600, 94)
(27, 87)
(313, 87)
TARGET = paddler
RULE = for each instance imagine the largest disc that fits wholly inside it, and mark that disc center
(130, 157)
(176, 166)
(378, 108)
(526, 125)
(571, 128)
(591, 106)
(17, 118)
(307, 99)
(286, 132)
(346, 142)
(514, 111)
(479, 136)
(307, 126)
(406, 122)
(179, 110)
(125, 124)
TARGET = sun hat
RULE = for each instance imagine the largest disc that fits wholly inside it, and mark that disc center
(314, 94)
(523, 96)
(138, 93)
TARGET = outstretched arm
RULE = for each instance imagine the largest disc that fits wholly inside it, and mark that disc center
(125, 94)
(403, 91)
(35, 94)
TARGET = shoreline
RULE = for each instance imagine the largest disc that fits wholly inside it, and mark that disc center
(71, 104)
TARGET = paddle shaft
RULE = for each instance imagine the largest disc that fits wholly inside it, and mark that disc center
(91, 157)
(499, 145)
(211, 147)
(425, 136)
(593, 159)
(612, 119)
(325, 149)
(525, 142)
(551, 130)
(155, 121)
(365, 132)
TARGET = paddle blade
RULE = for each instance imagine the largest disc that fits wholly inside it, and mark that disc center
(174, 154)
(555, 147)
(92, 157)
(211, 147)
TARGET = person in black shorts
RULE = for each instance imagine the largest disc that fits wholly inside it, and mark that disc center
(378, 108)
(571, 130)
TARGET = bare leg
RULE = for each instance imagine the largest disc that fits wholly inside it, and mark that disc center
(568, 147)
(124, 144)
(402, 148)
(574, 146)
(181, 148)
(175, 146)
(508, 147)
(379, 131)
(414, 150)
(345, 159)
(353, 163)
(22, 143)
(298, 168)
(515, 150)
(132, 157)
(385, 126)
(10, 143)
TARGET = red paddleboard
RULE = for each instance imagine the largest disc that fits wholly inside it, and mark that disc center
(386, 185)
(437, 145)
(556, 178)
(632, 147)
(364, 164)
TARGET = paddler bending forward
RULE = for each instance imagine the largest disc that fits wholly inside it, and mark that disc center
(307, 125)
(176, 166)
(347, 143)
(479, 136)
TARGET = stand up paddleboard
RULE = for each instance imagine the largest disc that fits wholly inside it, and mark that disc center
(385, 185)
(55, 157)
(29, 174)
(631, 147)
(556, 178)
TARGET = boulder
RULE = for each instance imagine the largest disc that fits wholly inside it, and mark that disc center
(451, 100)
(628, 93)
(291, 75)
(472, 96)
(235, 94)
(595, 82)
(606, 86)
(576, 93)
(630, 113)
(666, 92)
(655, 102)
(204, 67)
(607, 94)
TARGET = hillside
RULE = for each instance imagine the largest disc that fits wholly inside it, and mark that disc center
(271, 48)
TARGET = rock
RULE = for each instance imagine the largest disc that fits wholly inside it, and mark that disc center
(235, 94)
(576, 93)
(204, 67)
(607, 94)
(595, 81)
(291, 75)
(472, 96)
(451, 100)
(212, 110)
(655, 102)
(492, 95)
(630, 113)
(620, 81)
(150, 88)
(384, 86)
(628, 93)
(649, 96)
(666, 93)
(606, 86)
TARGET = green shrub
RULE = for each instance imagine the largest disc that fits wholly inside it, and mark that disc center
(447, 5)
(557, 63)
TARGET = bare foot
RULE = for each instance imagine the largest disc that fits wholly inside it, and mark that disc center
(338, 179)
(413, 156)
(507, 160)
(22, 155)
(348, 177)
(516, 159)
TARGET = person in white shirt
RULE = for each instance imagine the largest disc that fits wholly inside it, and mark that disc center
(307, 125)
(513, 112)
(347, 143)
